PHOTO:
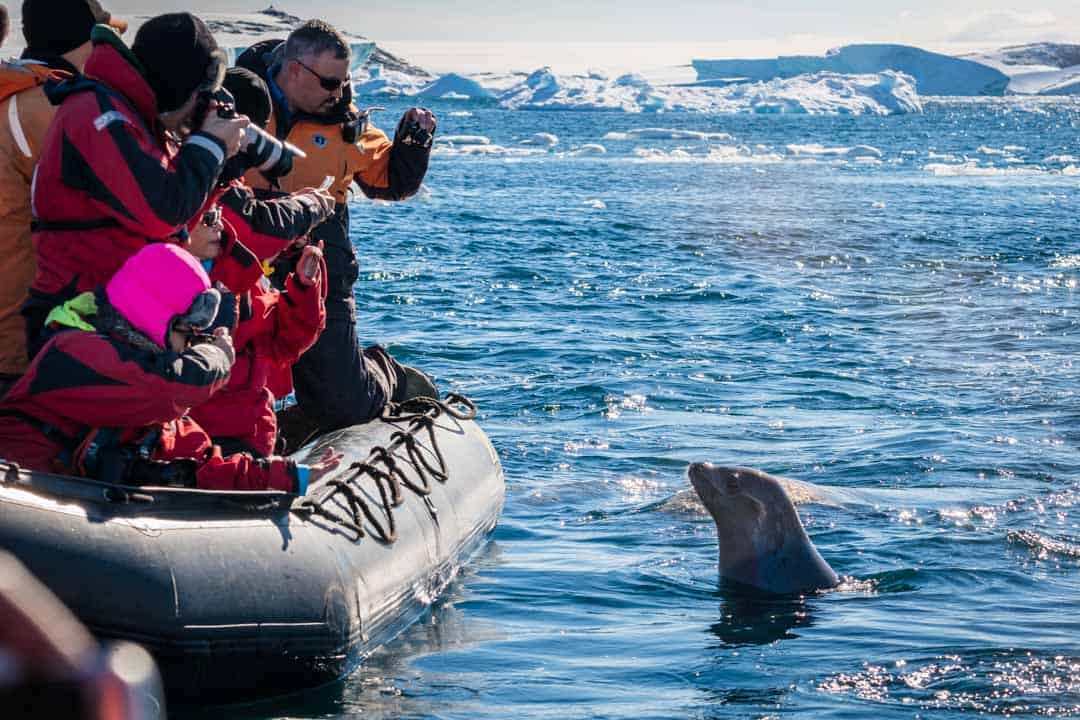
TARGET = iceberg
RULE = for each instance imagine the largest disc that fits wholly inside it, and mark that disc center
(455, 87)
(934, 73)
(820, 93)
(1038, 68)
(817, 94)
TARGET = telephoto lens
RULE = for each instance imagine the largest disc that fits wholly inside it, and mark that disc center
(270, 156)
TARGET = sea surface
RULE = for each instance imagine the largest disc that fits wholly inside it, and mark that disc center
(898, 320)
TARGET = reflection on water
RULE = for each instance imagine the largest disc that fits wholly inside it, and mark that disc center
(903, 332)
(749, 620)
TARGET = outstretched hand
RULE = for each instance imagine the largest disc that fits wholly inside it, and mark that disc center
(422, 116)
(416, 127)
(309, 266)
(327, 463)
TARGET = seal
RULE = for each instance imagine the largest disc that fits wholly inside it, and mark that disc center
(762, 542)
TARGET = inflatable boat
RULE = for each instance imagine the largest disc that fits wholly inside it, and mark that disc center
(244, 595)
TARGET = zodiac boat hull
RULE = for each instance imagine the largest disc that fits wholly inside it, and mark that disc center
(245, 595)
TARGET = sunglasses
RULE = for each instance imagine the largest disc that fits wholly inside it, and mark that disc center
(212, 218)
(330, 84)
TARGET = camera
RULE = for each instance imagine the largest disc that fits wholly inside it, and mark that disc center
(262, 151)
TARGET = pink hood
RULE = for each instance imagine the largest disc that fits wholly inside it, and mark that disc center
(155, 285)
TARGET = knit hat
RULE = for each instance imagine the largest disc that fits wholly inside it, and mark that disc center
(159, 283)
(251, 94)
(55, 27)
(178, 55)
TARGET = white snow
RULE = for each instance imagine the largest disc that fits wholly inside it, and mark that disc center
(1036, 69)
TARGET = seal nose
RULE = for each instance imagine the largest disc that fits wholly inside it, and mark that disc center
(700, 468)
(700, 474)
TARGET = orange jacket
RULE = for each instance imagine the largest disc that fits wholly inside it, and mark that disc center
(25, 114)
(330, 158)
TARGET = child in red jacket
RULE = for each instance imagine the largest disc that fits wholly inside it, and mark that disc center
(273, 330)
(107, 395)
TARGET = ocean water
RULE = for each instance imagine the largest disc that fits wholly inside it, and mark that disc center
(897, 320)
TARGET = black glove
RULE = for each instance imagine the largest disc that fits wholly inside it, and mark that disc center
(411, 133)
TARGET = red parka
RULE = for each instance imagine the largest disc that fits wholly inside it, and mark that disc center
(83, 383)
(273, 330)
(108, 180)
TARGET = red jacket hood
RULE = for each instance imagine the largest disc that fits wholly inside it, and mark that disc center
(114, 68)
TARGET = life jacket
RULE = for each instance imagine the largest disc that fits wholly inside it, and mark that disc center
(25, 115)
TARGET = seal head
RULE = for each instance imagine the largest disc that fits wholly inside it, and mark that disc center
(762, 542)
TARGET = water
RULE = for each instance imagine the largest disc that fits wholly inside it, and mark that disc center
(900, 330)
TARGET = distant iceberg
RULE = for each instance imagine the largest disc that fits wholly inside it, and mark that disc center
(455, 87)
(934, 74)
(814, 94)
(1037, 68)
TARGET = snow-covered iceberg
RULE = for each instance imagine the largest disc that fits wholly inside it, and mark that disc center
(934, 74)
(816, 94)
(1038, 68)
(455, 87)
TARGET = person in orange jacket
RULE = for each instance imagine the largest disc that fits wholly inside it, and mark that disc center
(57, 36)
(308, 78)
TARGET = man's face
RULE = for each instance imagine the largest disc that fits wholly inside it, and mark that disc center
(310, 73)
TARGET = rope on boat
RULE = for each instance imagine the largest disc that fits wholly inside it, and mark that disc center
(383, 466)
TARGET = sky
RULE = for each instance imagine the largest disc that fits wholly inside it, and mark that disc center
(471, 35)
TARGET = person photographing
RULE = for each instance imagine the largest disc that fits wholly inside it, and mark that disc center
(308, 78)
(123, 163)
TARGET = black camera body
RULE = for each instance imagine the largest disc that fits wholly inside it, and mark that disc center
(262, 151)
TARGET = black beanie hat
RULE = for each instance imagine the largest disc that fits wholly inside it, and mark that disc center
(55, 27)
(252, 95)
(178, 55)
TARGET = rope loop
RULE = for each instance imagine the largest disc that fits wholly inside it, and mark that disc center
(384, 467)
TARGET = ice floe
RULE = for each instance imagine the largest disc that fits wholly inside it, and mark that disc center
(463, 140)
(586, 150)
(665, 134)
(542, 139)
(815, 149)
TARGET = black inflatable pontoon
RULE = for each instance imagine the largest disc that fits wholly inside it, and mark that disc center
(246, 595)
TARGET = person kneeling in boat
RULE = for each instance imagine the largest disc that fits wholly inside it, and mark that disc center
(273, 330)
(107, 399)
